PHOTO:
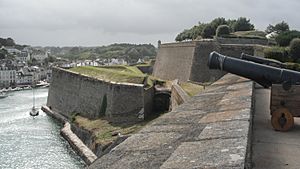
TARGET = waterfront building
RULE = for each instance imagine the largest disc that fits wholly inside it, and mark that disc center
(7, 76)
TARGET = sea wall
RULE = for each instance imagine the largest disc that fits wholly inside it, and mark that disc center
(76, 142)
(72, 93)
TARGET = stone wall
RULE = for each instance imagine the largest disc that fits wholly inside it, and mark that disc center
(72, 93)
(174, 61)
(199, 69)
(210, 130)
(242, 41)
(187, 61)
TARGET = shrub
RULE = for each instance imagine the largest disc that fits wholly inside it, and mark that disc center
(295, 49)
(293, 66)
(285, 38)
(208, 31)
(242, 24)
(277, 53)
(223, 30)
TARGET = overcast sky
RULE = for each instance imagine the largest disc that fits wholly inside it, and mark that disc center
(102, 22)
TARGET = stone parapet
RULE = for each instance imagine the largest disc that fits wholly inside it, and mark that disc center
(210, 130)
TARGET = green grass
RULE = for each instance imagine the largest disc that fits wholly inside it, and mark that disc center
(113, 73)
(190, 88)
(250, 33)
(246, 35)
(103, 130)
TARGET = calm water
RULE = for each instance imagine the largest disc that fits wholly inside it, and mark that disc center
(32, 143)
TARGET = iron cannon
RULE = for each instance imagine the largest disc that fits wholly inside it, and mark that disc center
(261, 60)
(263, 74)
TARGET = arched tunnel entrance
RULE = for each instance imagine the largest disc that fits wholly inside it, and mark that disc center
(161, 102)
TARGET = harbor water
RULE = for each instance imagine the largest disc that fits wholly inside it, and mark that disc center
(27, 142)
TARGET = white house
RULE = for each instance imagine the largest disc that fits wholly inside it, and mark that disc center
(7, 76)
(39, 55)
(24, 56)
(12, 50)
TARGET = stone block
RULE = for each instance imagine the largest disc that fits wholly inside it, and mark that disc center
(230, 129)
(217, 154)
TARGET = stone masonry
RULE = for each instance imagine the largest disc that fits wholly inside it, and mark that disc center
(187, 61)
(211, 130)
(71, 93)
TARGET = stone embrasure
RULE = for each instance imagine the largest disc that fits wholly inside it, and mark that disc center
(211, 130)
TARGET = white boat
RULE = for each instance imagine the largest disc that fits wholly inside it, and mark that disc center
(34, 111)
(3, 95)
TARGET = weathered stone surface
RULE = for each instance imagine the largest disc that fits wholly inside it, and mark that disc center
(216, 153)
(230, 129)
(72, 93)
(208, 131)
(148, 141)
(242, 114)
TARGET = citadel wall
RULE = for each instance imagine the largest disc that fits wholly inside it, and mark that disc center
(187, 61)
(71, 93)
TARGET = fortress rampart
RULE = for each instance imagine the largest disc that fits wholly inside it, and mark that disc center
(72, 93)
(187, 61)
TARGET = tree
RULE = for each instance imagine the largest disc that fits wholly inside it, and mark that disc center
(281, 27)
(278, 28)
(217, 22)
(270, 29)
(295, 49)
(208, 31)
(223, 30)
(242, 24)
(286, 37)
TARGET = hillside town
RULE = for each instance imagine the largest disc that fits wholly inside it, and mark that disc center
(23, 68)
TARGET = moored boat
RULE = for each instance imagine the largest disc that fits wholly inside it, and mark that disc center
(3, 95)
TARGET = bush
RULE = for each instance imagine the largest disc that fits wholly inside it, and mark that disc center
(285, 38)
(293, 66)
(295, 49)
(277, 53)
(242, 24)
(208, 31)
(223, 30)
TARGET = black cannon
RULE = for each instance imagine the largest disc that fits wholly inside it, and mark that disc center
(261, 60)
(262, 74)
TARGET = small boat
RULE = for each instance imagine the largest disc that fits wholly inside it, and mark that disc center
(34, 111)
(3, 95)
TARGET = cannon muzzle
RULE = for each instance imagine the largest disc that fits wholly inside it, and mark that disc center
(262, 74)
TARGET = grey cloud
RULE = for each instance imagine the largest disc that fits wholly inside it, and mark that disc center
(97, 22)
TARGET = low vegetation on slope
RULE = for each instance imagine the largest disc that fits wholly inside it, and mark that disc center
(106, 132)
(123, 74)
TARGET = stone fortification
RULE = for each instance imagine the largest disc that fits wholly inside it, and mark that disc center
(71, 93)
(242, 41)
(210, 130)
(174, 61)
(187, 61)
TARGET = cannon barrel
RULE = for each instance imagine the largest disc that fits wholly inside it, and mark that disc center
(262, 60)
(262, 74)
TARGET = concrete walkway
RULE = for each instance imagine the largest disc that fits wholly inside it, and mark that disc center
(272, 149)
